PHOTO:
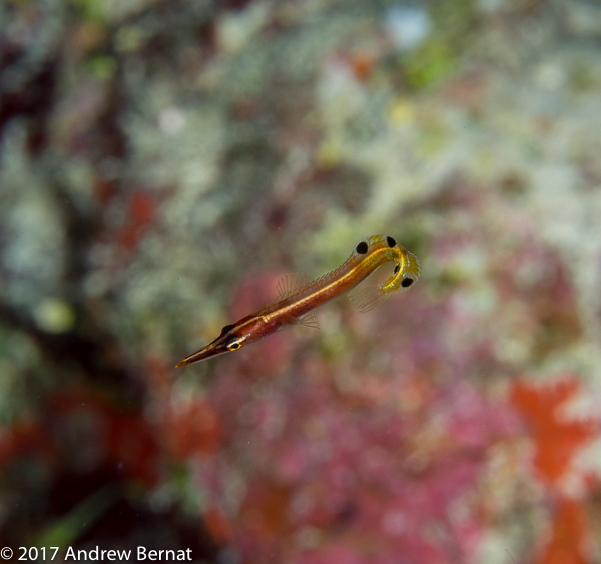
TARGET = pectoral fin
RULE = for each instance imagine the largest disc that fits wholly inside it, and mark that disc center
(366, 297)
(309, 320)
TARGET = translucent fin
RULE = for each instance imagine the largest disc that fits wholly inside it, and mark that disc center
(366, 297)
(309, 320)
(290, 284)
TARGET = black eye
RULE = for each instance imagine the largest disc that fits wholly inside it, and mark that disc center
(391, 241)
(361, 248)
(234, 346)
(407, 282)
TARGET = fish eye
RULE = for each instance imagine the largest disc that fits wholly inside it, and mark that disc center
(391, 241)
(234, 345)
(407, 282)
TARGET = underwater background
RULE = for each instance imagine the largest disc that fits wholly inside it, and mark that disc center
(163, 163)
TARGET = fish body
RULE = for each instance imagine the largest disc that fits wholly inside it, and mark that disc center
(300, 296)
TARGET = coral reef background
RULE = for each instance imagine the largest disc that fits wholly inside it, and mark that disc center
(164, 162)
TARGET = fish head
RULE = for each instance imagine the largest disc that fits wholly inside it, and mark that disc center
(231, 338)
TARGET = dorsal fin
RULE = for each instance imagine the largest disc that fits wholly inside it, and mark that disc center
(290, 284)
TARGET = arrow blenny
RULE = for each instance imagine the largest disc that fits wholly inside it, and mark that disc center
(299, 296)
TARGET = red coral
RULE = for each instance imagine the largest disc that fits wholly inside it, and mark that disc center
(132, 446)
(568, 536)
(141, 211)
(218, 525)
(25, 438)
(82, 428)
(191, 429)
(557, 439)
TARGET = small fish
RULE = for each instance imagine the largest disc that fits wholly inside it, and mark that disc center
(299, 296)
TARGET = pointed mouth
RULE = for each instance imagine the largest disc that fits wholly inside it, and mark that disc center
(209, 351)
